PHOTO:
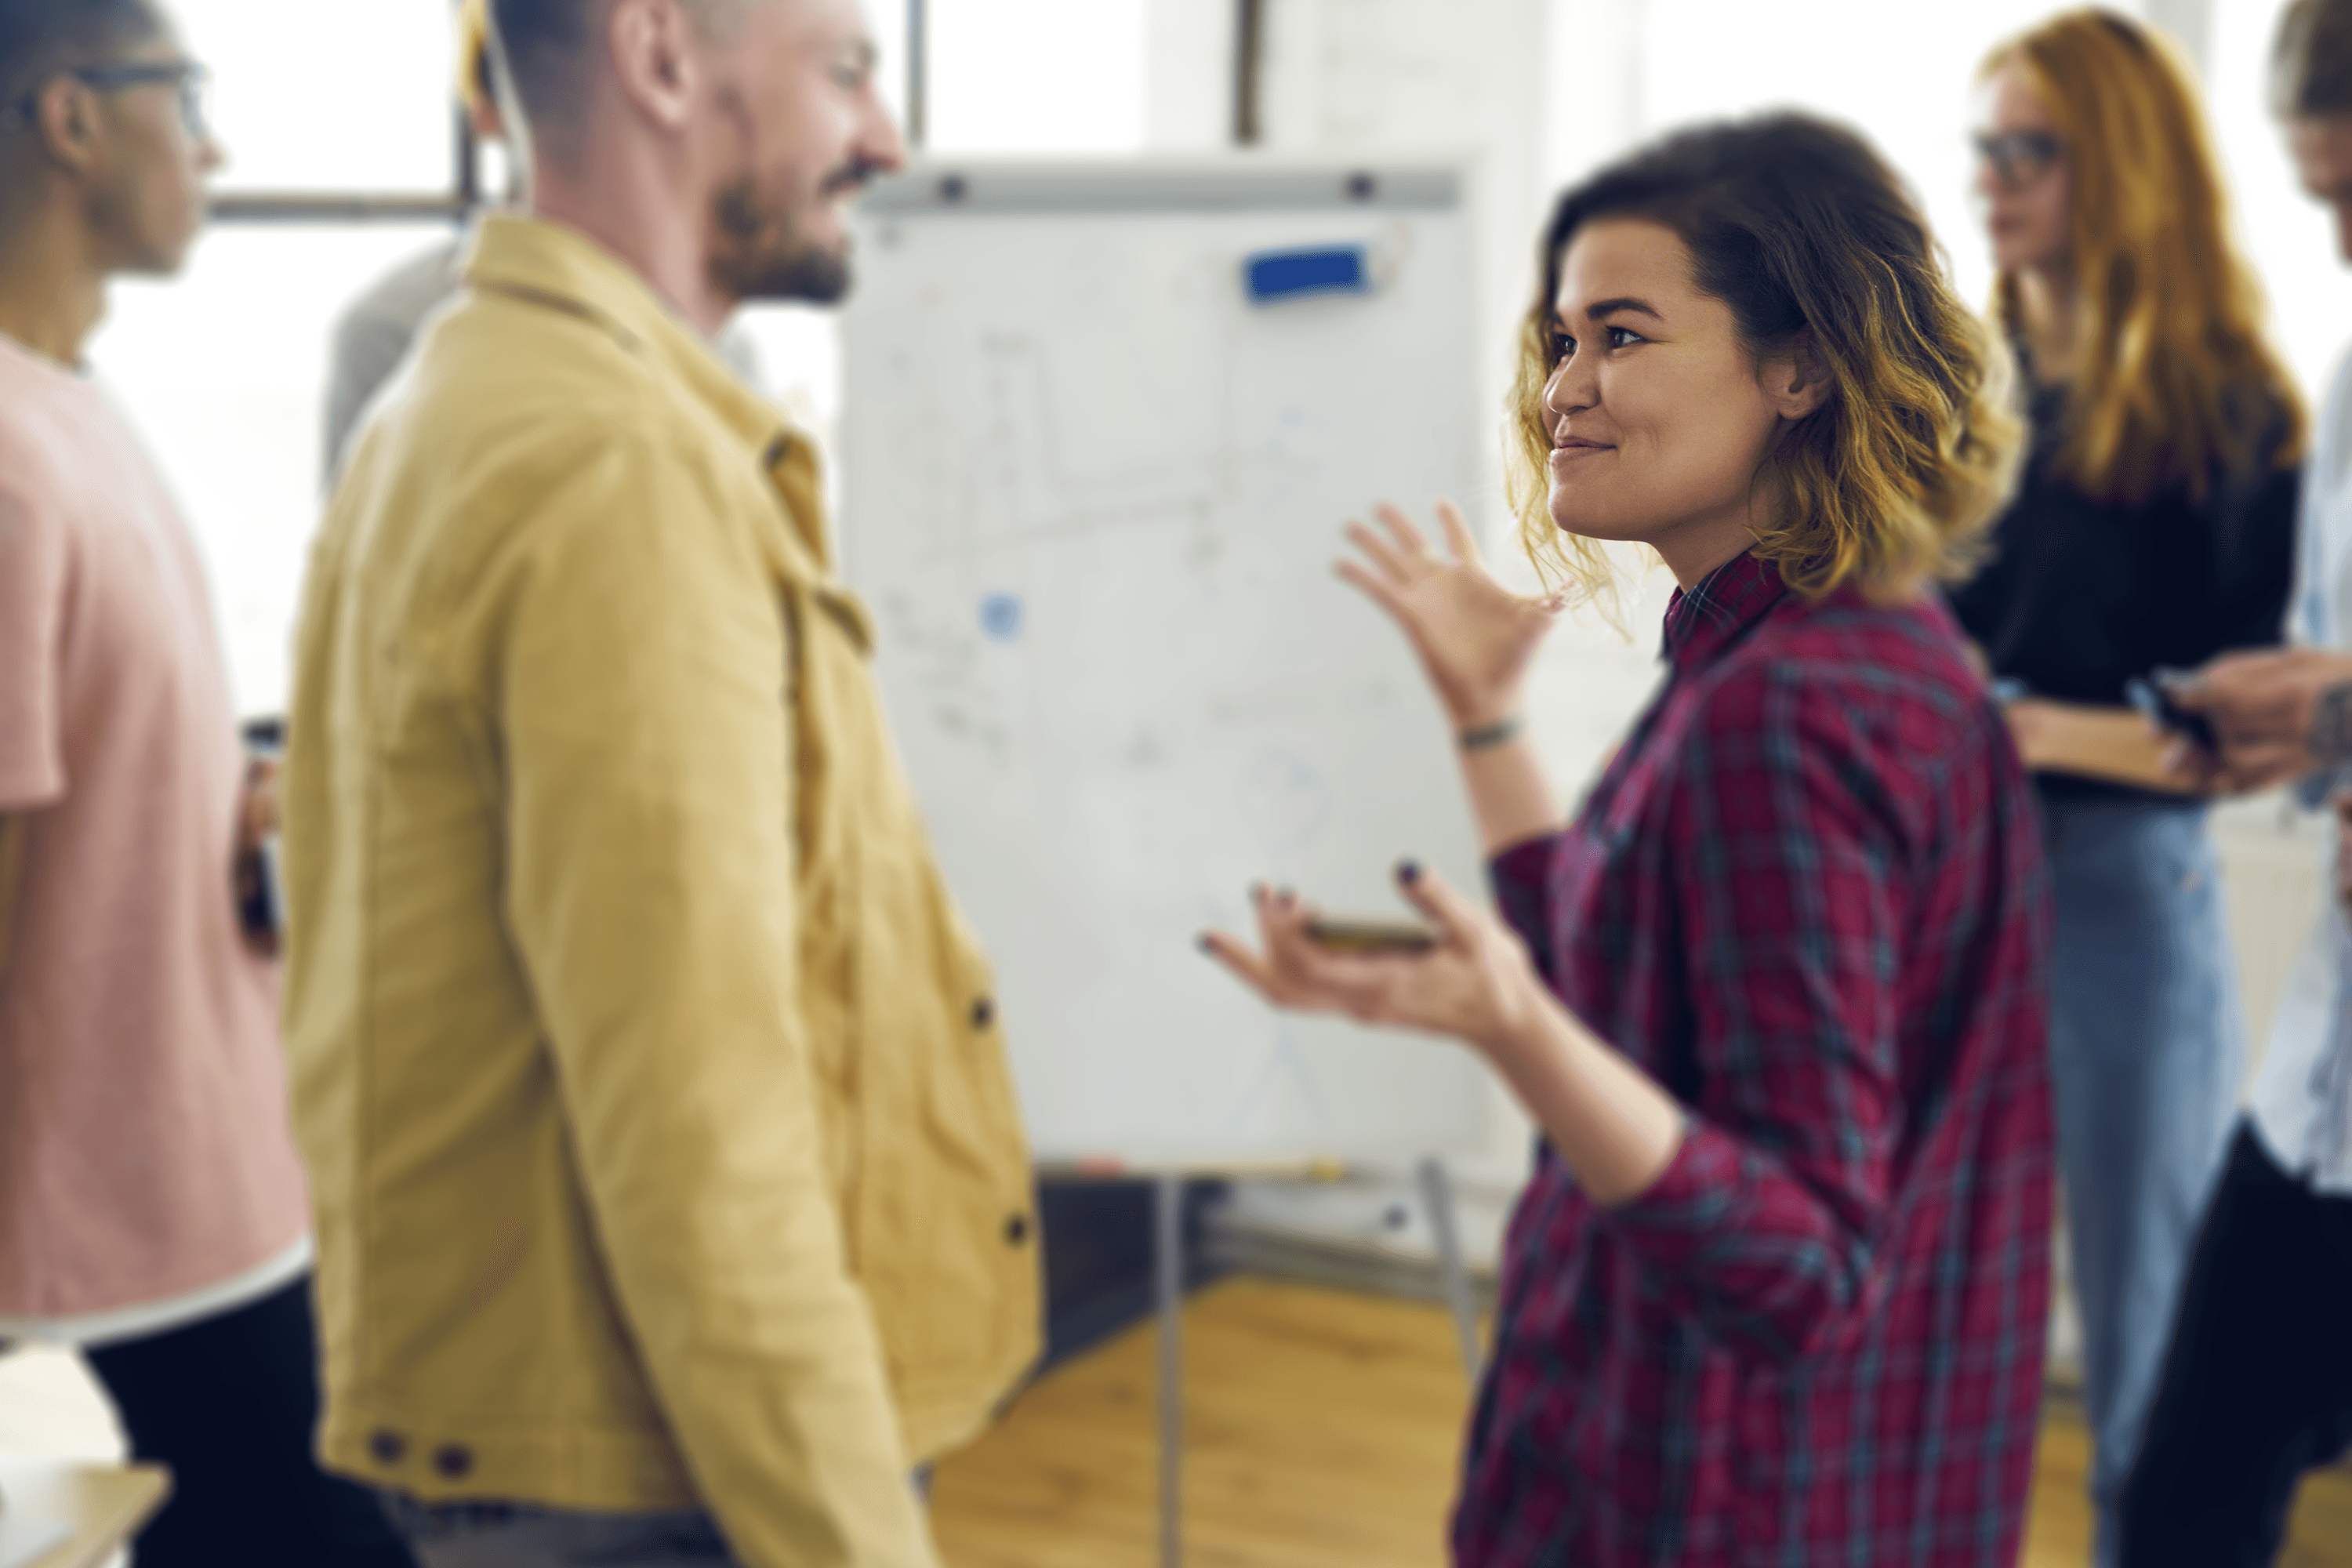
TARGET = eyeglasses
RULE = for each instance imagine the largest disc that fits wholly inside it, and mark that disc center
(2018, 158)
(187, 75)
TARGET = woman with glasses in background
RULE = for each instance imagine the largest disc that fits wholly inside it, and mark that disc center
(2153, 528)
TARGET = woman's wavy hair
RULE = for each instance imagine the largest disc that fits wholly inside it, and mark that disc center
(1801, 228)
(2178, 387)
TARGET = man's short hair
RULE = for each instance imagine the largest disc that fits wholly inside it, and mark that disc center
(2311, 65)
(41, 37)
(545, 45)
(542, 43)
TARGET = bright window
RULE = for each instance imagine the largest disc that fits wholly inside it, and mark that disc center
(223, 373)
(319, 95)
(1036, 76)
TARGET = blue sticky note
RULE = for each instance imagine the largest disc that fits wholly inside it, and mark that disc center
(1273, 275)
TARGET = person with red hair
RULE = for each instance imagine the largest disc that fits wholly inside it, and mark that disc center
(2153, 528)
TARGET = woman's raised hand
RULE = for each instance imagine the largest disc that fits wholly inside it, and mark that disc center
(1474, 636)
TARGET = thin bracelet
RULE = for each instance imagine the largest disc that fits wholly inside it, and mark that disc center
(1487, 735)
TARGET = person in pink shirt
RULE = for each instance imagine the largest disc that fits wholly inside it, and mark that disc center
(152, 1208)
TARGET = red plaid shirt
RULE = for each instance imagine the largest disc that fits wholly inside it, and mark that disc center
(1807, 897)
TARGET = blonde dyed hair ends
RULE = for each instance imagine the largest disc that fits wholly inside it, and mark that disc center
(473, 88)
(2176, 384)
(1802, 230)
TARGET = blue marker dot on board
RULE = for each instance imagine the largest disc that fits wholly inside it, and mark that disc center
(1000, 617)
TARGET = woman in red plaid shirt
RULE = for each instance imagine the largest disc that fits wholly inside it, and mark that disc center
(1776, 1292)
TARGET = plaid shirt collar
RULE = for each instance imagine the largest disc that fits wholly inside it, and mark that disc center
(1703, 623)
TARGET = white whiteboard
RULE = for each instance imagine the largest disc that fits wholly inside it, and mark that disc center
(1093, 495)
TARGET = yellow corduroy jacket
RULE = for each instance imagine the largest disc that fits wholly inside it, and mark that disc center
(664, 1149)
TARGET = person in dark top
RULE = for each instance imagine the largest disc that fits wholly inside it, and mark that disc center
(2154, 527)
(1777, 1291)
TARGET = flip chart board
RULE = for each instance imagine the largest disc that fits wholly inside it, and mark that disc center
(1102, 424)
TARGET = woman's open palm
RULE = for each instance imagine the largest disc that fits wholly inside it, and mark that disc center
(1474, 636)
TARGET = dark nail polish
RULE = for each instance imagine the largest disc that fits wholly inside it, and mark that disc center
(1408, 872)
(1205, 945)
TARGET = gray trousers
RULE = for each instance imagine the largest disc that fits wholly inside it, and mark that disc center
(522, 1535)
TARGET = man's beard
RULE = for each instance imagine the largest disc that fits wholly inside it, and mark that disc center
(759, 257)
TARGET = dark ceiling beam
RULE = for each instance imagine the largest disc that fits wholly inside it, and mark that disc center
(1249, 73)
(918, 74)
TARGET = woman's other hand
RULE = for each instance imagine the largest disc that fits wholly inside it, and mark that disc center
(1476, 984)
(1474, 636)
(256, 804)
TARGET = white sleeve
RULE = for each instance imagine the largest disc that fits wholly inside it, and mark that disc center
(2312, 620)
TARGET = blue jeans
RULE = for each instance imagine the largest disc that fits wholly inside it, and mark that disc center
(2145, 1051)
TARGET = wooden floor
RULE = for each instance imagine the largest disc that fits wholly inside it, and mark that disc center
(1322, 1432)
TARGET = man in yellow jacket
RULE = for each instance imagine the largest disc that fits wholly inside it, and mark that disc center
(671, 1197)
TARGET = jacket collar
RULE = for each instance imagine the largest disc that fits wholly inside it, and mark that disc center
(1702, 623)
(546, 264)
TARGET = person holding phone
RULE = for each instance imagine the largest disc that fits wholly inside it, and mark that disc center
(1777, 1288)
(2153, 527)
(2256, 1389)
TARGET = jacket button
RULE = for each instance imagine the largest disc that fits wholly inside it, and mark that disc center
(453, 1461)
(983, 1013)
(387, 1448)
(1016, 1230)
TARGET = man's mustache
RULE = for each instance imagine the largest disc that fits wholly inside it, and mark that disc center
(854, 176)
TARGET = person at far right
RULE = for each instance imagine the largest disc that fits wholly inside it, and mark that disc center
(2153, 528)
(2257, 1385)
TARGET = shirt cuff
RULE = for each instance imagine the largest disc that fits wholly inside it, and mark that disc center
(1522, 879)
(31, 786)
(1688, 1206)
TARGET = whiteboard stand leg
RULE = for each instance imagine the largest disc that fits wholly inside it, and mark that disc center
(1437, 1193)
(1170, 1279)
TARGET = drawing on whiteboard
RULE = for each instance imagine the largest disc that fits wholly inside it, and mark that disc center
(1286, 1067)
(1286, 803)
(1022, 483)
(1092, 492)
(1025, 485)
(965, 706)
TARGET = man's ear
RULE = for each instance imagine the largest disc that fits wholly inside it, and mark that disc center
(64, 123)
(654, 58)
(1795, 379)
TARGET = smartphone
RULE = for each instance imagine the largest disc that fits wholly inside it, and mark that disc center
(1370, 936)
(2153, 700)
(260, 899)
